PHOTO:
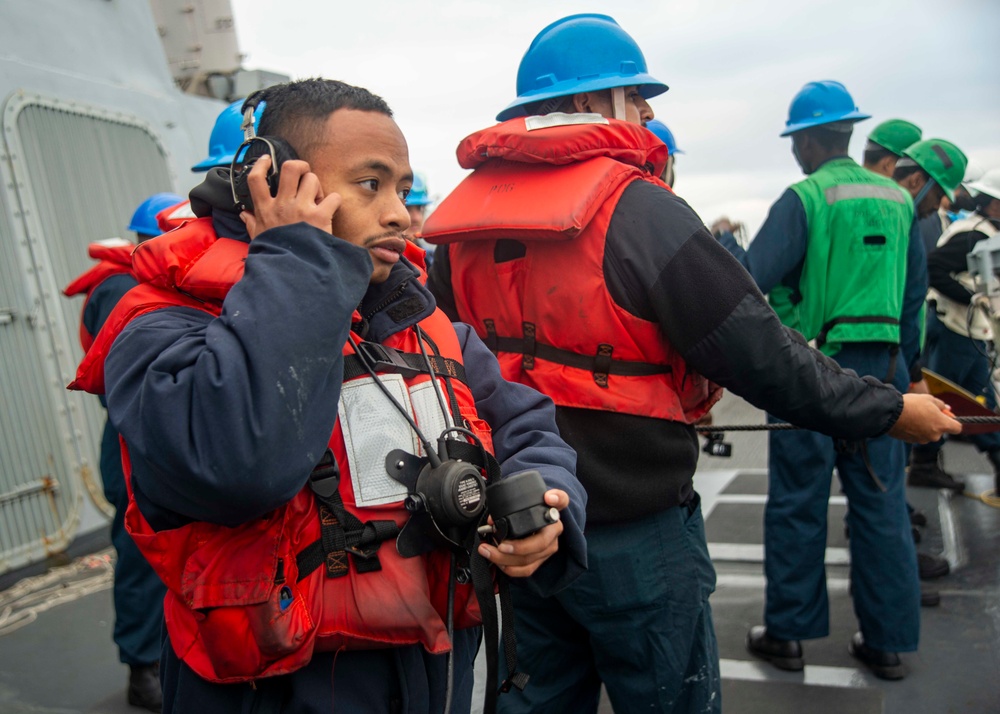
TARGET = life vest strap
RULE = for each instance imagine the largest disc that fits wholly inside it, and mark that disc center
(600, 364)
(473, 454)
(854, 320)
(386, 360)
(341, 532)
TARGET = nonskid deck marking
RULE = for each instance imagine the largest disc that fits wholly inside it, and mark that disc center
(759, 582)
(812, 675)
(953, 550)
(754, 553)
(760, 499)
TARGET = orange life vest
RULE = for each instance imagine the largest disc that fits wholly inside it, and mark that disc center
(237, 607)
(115, 256)
(552, 185)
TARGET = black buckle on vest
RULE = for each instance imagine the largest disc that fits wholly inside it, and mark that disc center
(602, 364)
(383, 359)
(528, 353)
(325, 478)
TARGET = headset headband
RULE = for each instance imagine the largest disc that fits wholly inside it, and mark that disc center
(249, 107)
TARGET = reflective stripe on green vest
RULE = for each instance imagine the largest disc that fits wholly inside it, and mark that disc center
(853, 277)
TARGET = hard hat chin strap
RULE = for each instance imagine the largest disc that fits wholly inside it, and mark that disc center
(928, 185)
(618, 102)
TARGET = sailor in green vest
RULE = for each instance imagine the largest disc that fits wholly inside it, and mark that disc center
(841, 259)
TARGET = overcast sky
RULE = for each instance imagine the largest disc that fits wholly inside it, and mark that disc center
(447, 67)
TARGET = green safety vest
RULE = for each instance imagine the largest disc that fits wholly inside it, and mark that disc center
(853, 277)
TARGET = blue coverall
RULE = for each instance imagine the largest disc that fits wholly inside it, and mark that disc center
(138, 590)
(885, 585)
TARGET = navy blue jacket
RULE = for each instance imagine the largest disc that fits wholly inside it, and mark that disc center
(226, 417)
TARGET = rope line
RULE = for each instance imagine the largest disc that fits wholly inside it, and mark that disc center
(783, 426)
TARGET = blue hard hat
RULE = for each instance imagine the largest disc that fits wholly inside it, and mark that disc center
(580, 53)
(820, 103)
(418, 192)
(226, 136)
(144, 219)
(661, 132)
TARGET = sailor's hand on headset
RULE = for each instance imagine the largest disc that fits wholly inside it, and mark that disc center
(521, 558)
(300, 198)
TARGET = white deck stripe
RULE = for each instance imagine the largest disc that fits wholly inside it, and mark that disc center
(953, 550)
(760, 498)
(751, 581)
(710, 484)
(814, 675)
(754, 553)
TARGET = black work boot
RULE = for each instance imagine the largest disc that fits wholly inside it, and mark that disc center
(783, 654)
(144, 686)
(932, 566)
(884, 665)
(925, 470)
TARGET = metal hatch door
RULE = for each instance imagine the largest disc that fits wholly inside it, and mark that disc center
(71, 174)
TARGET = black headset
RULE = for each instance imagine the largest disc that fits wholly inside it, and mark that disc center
(252, 148)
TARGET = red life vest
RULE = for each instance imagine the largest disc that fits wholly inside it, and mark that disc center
(237, 607)
(418, 256)
(115, 256)
(552, 186)
(175, 216)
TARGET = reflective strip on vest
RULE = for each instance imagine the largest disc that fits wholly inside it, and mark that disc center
(854, 272)
(846, 192)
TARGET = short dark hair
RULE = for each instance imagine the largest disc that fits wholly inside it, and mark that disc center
(875, 153)
(295, 111)
(829, 139)
(905, 170)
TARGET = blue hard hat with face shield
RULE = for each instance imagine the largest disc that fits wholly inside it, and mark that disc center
(144, 219)
(227, 136)
(820, 103)
(661, 132)
(418, 192)
(580, 53)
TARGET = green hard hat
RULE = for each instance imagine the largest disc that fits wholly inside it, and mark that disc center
(943, 161)
(895, 135)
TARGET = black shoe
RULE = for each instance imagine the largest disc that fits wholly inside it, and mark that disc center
(884, 665)
(917, 518)
(144, 687)
(928, 473)
(929, 598)
(932, 566)
(783, 654)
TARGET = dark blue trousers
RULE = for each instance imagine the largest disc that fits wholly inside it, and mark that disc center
(885, 586)
(963, 361)
(138, 590)
(638, 620)
(401, 680)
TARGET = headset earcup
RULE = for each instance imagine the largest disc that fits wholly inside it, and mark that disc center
(280, 151)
